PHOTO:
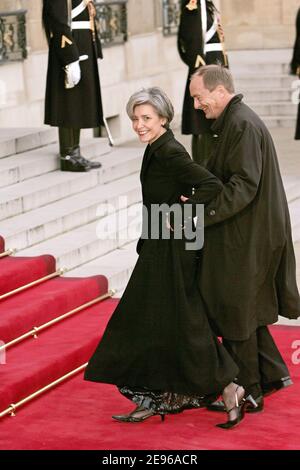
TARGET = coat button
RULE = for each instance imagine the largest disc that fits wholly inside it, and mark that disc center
(212, 212)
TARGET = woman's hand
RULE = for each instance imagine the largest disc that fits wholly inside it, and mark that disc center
(184, 198)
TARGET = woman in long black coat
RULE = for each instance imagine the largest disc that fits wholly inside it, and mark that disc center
(158, 347)
(295, 67)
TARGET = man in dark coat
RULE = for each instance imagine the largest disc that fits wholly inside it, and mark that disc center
(73, 96)
(200, 42)
(295, 67)
(247, 268)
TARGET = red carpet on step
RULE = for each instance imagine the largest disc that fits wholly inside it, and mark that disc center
(32, 364)
(38, 305)
(18, 271)
(77, 415)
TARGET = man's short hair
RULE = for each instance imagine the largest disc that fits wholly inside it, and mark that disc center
(214, 75)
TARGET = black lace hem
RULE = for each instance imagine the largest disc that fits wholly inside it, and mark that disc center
(165, 402)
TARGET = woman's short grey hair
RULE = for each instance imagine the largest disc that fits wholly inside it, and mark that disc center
(214, 75)
(157, 98)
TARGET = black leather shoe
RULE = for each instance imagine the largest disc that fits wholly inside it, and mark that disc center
(239, 409)
(256, 409)
(273, 387)
(138, 415)
(89, 163)
(219, 405)
(76, 153)
(71, 163)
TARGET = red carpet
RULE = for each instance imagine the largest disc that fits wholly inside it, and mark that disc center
(18, 271)
(19, 313)
(77, 414)
(58, 350)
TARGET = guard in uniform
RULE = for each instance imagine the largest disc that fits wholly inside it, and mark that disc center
(295, 68)
(200, 42)
(73, 95)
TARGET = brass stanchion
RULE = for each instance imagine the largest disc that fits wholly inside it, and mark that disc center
(13, 407)
(8, 252)
(36, 329)
(57, 273)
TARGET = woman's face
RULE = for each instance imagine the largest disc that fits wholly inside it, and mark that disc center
(147, 123)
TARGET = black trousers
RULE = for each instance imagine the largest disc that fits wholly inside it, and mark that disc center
(259, 361)
(68, 140)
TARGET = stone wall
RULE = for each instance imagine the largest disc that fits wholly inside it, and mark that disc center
(256, 24)
(148, 58)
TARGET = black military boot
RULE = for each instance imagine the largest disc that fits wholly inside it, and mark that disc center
(69, 158)
(70, 162)
(84, 161)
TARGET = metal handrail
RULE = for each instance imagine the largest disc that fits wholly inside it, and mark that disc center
(37, 329)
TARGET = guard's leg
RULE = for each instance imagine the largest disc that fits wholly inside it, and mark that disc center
(69, 158)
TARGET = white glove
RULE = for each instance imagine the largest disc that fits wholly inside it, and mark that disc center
(73, 74)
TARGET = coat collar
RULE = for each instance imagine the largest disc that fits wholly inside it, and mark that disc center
(219, 123)
(165, 137)
(150, 149)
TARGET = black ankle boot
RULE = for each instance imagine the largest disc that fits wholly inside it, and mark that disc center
(85, 161)
(70, 162)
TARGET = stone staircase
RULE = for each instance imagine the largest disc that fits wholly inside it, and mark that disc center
(77, 217)
(82, 219)
(263, 78)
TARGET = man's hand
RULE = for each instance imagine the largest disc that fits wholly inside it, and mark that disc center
(73, 74)
(184, 199)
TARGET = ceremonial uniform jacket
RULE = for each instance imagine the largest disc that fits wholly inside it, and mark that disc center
(295, 67)
(198, 44)
(71, 30)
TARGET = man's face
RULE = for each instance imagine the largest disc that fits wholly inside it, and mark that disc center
(209, 101)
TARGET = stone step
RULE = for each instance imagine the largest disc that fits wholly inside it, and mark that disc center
(117, 266)
(43, 160)
(279, 121)
(292, 187)
(14, 141)
(253, 81)
(36, 226)
(294, 208)
(90, 241)
(45, 189)
(260, 57)
(260, 68)
(268, 95)
(275, 109)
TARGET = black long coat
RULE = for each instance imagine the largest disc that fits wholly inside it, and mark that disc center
(295, 67)
(247, 270)
(190, 48)
(158, 337)
(81, 106)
